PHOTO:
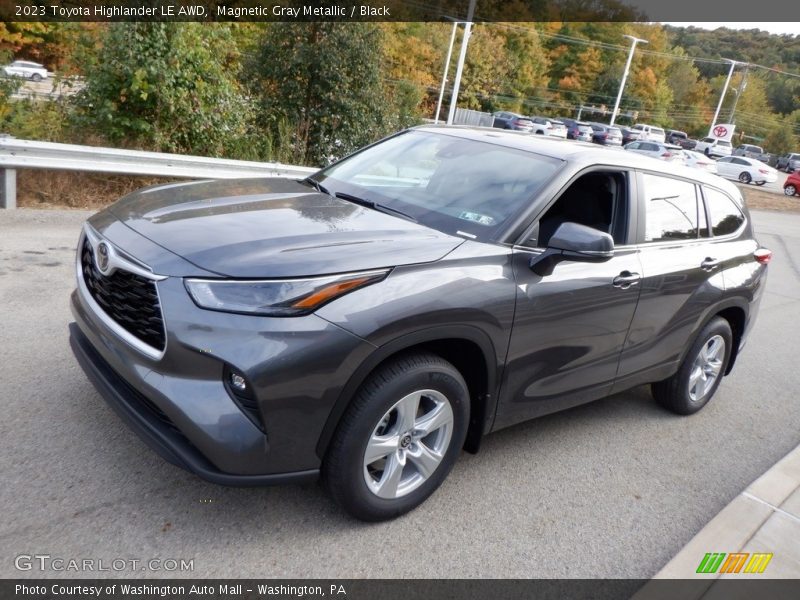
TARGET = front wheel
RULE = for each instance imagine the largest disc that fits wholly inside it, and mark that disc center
(790, 190)
(36, 77)
(399, 438)
(759, 183)
(701, 371)
(744, 177)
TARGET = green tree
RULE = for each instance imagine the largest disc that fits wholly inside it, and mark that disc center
(781, 140)
(169, 87)
(321, 84)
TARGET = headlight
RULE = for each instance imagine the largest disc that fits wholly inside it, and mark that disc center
(276, 297)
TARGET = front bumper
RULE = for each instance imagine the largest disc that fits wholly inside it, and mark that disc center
(149, 424)
(178, 401)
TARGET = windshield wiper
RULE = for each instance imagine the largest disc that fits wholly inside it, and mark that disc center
(374, 205)
(317, 186)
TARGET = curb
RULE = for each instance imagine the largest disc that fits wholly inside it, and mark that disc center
(763, 518)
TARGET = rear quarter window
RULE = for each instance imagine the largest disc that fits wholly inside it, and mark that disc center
(726, 218)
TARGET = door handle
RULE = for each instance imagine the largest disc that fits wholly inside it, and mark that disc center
(709, 264)
(626, 279)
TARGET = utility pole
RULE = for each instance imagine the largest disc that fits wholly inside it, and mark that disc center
(446, 69)
(634, 41)
(742, 85)
(724, 91)
(461, 58)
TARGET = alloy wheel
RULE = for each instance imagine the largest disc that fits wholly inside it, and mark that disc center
(790, 190)
(706, 368)
(745, 177)
(408, 444)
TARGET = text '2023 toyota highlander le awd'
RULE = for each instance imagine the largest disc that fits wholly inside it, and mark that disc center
(369, 322)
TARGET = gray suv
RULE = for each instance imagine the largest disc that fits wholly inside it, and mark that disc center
(369, 322)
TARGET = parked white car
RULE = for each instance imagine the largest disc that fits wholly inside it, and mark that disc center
(668, 152)
(746, 170)
(546, 126)
(28, 70)
(697, 160)
(711, 146)
(650, 132)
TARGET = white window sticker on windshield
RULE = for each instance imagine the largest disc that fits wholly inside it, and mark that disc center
(477, 218)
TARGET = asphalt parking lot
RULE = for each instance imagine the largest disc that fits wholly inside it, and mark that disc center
(611, 489)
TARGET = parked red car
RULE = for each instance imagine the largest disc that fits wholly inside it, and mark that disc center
(792, 185)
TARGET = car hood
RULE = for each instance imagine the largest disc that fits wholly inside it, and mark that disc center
(272, 227)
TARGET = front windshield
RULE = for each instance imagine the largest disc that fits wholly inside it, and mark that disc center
(455, 185)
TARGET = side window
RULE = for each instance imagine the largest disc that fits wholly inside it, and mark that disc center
(633, 146)
(725, 215)
(671, 209)
(598, 199)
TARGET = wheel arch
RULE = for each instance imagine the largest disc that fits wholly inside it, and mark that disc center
(737, 318)
(734, 311)
(468, 348)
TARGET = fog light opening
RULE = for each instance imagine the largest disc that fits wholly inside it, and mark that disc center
(238, 382)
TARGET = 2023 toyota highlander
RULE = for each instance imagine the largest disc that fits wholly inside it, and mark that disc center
(369, 322)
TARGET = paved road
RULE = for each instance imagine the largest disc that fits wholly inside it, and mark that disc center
(47, 88)
(612, 489)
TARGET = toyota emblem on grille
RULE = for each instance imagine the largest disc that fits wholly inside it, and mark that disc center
(103, 253)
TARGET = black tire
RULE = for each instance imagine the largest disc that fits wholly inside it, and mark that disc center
(36, 77)
(707, 152)
(759, 183)
(744, 177)
(790, 190)
(673, 393)
(344, 472)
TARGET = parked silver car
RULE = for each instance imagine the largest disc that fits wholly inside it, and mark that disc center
(789, 162)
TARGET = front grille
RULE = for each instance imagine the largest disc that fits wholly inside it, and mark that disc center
(129, 299)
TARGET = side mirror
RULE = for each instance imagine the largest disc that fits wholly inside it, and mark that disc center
(575, 242)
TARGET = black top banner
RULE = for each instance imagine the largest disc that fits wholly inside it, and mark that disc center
(399, 10)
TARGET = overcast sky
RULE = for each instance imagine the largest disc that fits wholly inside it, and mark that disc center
(791, 27)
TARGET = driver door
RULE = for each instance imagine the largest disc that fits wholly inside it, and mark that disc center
(570, 326)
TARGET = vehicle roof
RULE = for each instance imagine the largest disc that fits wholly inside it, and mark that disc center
(582, 153)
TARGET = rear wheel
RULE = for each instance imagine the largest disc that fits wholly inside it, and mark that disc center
(399, 438)
(744, 177)
(36, 77)
(760, 182)
(699, 376)
(790, 190)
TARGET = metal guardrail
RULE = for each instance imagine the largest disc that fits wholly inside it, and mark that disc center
(27, 154)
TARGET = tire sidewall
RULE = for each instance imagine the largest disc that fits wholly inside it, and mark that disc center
(436, 376)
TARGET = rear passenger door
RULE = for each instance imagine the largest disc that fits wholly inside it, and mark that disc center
(681, 277)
